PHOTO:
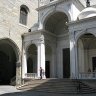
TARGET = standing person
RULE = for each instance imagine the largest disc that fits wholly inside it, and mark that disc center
(41, 71)
(95, 70)
(89, 70)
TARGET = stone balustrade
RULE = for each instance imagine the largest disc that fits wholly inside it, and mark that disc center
(89, 75)
(31, 75)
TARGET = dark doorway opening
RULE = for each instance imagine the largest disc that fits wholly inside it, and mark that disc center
(94, 63)
(47, 68)
(29, 65)
(66, 63)
(4, 79)
(7, 64)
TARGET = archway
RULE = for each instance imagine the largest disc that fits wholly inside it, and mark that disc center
(86, 50)
(8, 59)
(32, 59)
(55, 25)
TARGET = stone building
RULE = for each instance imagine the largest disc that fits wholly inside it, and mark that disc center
(57, 35)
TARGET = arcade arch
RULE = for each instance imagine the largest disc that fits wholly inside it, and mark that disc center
(9, 56)
(32, 59)
(56, 25)
(86, 50)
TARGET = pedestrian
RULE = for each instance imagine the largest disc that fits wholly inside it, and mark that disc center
(95, 70)
(89, 70)
(41, 71)
(78, 86)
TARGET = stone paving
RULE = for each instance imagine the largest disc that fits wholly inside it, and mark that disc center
(12, 91)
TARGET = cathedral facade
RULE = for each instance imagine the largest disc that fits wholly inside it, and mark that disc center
(57, 35)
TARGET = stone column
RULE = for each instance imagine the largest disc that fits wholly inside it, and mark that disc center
(53, 64)
(18, 73)
(41, 58)
(42, 49)
(73, 57)
(38, 63)
(24, 63)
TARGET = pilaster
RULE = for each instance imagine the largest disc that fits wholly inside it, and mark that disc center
(73, 56)
(24, 63)
(18, 73)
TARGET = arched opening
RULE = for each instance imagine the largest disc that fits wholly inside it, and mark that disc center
(86, 50)
(23, 14)
(48, 61)
(30, 65)
(8, 59)
(56, 25)
(32, 59)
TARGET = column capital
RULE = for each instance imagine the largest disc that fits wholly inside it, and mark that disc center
(39, 42)
(18, 64)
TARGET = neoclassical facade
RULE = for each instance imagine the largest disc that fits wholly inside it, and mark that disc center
(57, 35)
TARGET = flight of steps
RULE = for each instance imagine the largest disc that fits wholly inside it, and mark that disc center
(90, 82)
(63, 86)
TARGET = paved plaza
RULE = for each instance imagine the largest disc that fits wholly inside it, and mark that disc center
(12, 91)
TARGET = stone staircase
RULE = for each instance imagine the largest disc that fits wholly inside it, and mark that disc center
(61, 86)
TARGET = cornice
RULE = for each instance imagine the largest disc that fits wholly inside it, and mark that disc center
(32, 33)
(82, 21)
(52, 4)
(78, 4)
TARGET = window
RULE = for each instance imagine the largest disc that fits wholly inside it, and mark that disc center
(23, 14)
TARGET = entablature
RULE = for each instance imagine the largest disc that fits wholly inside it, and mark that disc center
(82, 24)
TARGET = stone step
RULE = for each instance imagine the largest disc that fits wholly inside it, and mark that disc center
(58, 86)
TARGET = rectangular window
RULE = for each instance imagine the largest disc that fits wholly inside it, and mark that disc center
(23, 19)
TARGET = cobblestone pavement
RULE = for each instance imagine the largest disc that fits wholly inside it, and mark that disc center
(11, 91)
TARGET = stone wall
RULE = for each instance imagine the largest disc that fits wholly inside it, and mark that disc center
(10, 28)
(9, 19)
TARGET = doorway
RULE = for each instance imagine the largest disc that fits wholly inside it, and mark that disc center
(8, 60)
(66, 63)
(7, 63)
(47, 68)
(94, 63)
(29, 65)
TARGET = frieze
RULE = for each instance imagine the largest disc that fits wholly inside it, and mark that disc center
(80, 25)
(44, 3)
(35, 41)
(78, 33)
